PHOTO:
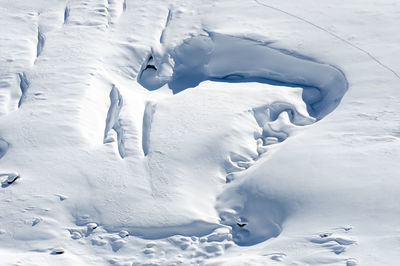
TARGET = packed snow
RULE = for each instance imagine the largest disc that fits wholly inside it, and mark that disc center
(254, 132)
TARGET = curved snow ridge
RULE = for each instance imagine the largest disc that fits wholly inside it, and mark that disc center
(232, 59)
(253, 217)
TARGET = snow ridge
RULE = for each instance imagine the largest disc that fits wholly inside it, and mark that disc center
(113, 121)
(169, 17)
(146, 126)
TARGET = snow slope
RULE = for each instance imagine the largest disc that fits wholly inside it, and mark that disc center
(208, 133)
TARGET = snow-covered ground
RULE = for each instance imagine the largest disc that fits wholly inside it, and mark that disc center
(252, 132)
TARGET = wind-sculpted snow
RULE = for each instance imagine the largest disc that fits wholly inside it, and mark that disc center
(222, 58)
(231, 59)
(197, 133)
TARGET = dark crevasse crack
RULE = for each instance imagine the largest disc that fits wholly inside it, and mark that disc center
(66, 14)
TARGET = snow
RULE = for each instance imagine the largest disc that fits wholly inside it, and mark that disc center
(205, 133)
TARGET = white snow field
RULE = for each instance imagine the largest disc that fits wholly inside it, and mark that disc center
(251, 132)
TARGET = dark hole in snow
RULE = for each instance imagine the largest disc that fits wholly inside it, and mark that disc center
(323, 235)
(150, 67)
(57, 251)
(12, 179)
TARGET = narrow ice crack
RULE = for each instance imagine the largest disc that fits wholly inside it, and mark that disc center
(66, 14)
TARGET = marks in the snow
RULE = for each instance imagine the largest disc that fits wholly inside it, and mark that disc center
(24, 85)
(333, 35)
(113, 122)
(146, 126)
(169, 17)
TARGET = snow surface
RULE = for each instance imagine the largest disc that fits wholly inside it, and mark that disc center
(258, 132)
